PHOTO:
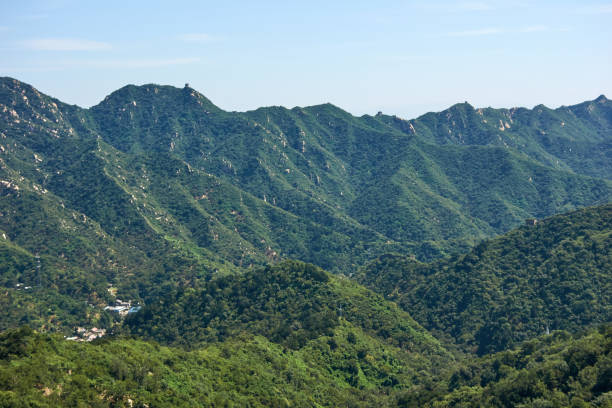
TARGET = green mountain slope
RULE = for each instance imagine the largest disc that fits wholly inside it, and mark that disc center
(288, 335)
(245, 371)
(553, 275)
(290, 303)
(413, 186)
(331, 319)
(157, 185)
(571, 137)
(554, 370)
(343, 370)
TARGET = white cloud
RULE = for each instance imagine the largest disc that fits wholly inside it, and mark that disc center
(476, 33)
(65, 44)
(534, 29)
(196, 38)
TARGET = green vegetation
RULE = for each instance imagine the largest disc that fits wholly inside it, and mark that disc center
(158, 197)
(157, 185)
(41, 370)
(553, 275)
(340, 370)
(290, 303)
(558, 370)
(286, 335)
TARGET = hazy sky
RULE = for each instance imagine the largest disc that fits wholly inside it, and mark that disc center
(399, 57)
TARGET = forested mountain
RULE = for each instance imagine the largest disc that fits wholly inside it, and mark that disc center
(294, 335)
(556, 370)
(246, 371)
(289, 303)
(157, 184)
(287, 335)
(340, 370)
(537, 278)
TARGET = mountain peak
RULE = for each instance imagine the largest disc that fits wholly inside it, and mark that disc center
(148, 94)
(14, 86)
(328, 108)
(461, 106)
(540, 107)
(601, 99)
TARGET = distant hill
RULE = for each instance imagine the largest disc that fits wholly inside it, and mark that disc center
(549, 276)
(157, 185)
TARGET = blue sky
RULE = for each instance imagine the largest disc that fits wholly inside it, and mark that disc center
(399, 57)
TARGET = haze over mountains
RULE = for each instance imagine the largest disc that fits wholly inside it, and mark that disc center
(206, 217)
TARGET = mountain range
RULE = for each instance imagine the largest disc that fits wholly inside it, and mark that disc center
(302, 257)
(156, 183)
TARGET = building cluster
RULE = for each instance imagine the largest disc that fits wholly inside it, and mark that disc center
(82, 334)
(123, 308)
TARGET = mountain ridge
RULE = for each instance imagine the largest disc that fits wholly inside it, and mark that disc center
(602, 99)
(180, 190)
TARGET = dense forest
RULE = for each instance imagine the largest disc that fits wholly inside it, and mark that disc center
(157, 251)
(556, 370)
(537, 278)
(289, 303)
(345, 369)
